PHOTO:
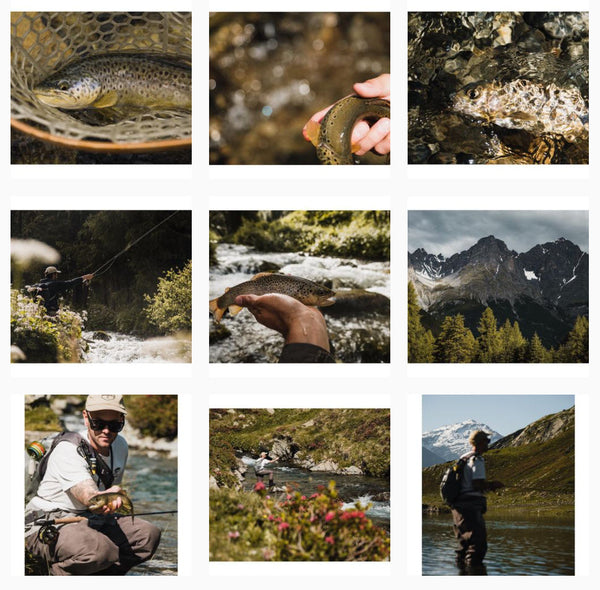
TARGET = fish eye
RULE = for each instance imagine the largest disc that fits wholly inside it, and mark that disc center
(473, 93)
(63, 85)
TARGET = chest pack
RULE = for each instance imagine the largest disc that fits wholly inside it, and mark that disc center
(99, 470)
(451, 483)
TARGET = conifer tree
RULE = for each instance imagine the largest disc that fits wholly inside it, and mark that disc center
(513, 345)
(488, 342)
(456, 343)
(576, 348)
(420, 340)
(536, 353)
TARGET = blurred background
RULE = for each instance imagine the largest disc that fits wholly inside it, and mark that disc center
(269, 72)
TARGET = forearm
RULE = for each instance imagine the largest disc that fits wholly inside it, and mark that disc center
(84, 491)
(308, 328)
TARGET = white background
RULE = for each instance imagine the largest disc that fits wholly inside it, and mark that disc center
(200, 386)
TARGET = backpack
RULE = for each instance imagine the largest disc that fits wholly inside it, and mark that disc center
(452, 480)
(96, 464)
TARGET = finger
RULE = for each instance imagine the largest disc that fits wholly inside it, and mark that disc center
(384, 147)
(360, 130)
(376, 135)
(316, 118)
(246, 300)
(374, 87)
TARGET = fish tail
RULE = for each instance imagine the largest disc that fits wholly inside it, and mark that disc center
(214, 308)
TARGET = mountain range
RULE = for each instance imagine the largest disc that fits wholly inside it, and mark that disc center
(536, 464)
(544, 289)
(448, 443)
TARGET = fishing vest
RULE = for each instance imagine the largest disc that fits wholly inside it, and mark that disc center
(97, 466)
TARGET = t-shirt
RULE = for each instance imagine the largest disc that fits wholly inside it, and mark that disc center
(474, 469)
(66, 468)
(260, 464)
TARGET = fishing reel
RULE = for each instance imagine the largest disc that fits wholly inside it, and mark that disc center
(48, 534)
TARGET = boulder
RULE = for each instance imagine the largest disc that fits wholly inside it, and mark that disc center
(358, 301)
(101, 335)
(328, 466)
(212, 483)
(352, 470)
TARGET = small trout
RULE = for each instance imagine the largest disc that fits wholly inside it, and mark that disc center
(521, 104)
(332, 137)
(100, 500)
(301, 289)
(119, 79)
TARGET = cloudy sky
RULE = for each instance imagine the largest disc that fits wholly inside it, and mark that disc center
(449, 232)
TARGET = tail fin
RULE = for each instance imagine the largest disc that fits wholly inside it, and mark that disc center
(216, 310)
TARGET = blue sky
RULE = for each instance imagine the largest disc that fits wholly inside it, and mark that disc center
(503, 413)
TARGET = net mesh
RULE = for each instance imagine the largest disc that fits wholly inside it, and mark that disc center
(43, 42)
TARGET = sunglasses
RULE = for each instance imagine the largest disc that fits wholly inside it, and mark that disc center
(112, 425)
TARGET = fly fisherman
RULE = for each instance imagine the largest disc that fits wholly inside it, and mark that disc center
(470, 506)
(259, 467)
(77, 468)
(50, 288)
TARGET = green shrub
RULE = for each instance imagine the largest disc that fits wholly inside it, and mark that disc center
(43, 338)
(170, 308)
(153, 415)
(254, 526)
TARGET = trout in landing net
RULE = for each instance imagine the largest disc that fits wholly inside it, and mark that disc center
(100, 500)
(119, 79)
(301, 289)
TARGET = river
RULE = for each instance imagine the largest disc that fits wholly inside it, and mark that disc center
(123, 348)
(519, 545)
(356, 337)
(351, 488)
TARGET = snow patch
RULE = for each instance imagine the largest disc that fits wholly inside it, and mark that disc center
(530, 275)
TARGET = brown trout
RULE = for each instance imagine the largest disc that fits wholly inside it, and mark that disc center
(119, 79)
(100, 500)
(521, 104)
(301, 289)
(332, 137)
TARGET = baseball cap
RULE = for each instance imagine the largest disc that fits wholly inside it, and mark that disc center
(479, 435)
(51, 270)
(95, 403)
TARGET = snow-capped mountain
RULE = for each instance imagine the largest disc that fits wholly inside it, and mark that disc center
(451, 441)
(544, 289)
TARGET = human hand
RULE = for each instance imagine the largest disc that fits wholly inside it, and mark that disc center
(294, 320)
(88, 277)
(364, 137)
(111, 506)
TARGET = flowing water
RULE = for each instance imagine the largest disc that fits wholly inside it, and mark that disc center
(123, 348)
(519, 545)
(351, 488)
(356, 337)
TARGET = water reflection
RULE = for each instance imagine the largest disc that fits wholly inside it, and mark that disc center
(518, 545)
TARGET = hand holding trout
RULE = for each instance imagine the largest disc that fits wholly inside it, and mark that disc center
(355, 124)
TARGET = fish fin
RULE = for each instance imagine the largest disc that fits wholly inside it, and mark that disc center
(215, 310)
(261, 274)
(107, 100)
(312, 132)
(522, 116)
(234, 309)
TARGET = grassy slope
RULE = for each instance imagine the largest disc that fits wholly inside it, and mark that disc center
(540, 475)
(349, 437)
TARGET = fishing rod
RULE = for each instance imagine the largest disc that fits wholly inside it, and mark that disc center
(108, 264)
(72, 519)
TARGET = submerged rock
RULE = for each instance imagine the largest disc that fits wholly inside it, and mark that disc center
(101, 335)
(358, 301)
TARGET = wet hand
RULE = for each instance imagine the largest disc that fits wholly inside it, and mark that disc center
(87, 277)
(364, 137)
(294, 320)
(111, 506)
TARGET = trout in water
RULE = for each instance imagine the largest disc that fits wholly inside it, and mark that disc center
(301, 289)
(119, 79)
(332, 137)
(100, 500)
(521, 104)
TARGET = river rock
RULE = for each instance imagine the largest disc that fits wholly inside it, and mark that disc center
(101, 335)
(16, 354)
(284, 448)
(358, 301)
(218, 332)
(328, 465)
(352, 470)
(135, 440)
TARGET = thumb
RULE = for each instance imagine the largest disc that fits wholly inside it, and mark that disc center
(374, 87)
(245, 300)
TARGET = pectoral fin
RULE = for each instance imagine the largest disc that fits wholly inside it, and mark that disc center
(312, 132)
(234, 309)
(107, 100)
